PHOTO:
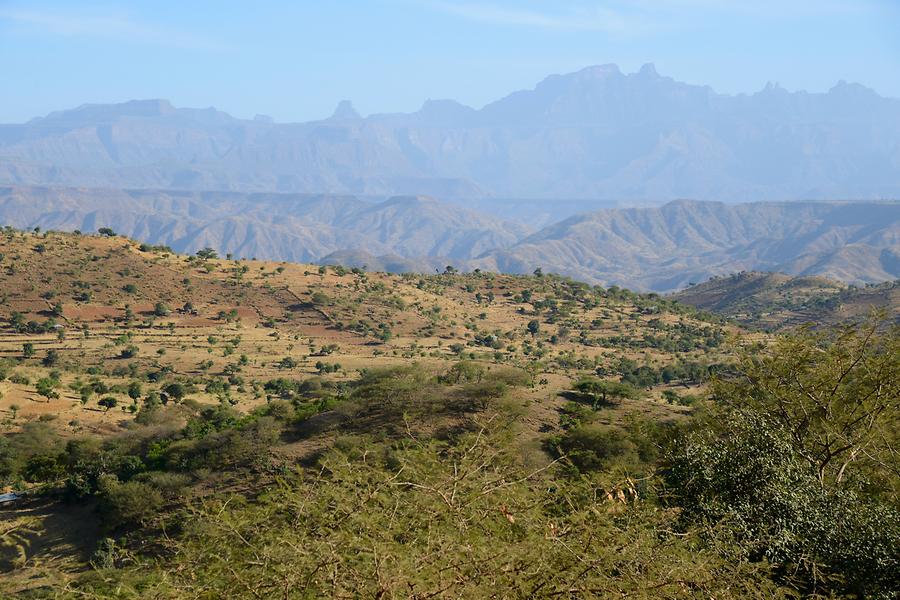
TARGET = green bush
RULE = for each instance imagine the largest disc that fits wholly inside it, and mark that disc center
(430, 520)
(744, 481)
(132, 502)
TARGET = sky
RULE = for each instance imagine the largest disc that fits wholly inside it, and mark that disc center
(294, 61)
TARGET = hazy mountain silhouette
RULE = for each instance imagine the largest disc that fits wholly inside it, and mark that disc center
(596, 133)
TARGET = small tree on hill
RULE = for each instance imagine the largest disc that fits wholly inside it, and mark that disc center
(51, 359)
(600, 392)
(46, 387)
(108, 402)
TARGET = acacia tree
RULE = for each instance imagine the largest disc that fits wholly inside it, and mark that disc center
(107, 403)
(604, 393)
(836, 394)
(46, 387)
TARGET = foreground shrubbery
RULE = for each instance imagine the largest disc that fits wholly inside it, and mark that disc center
(134, 474)
(799, 465)
(744, 483)
(784, 485)
(449, 519)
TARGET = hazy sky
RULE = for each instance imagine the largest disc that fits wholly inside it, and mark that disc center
(296, 60)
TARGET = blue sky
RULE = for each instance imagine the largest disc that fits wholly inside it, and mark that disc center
(295, 60)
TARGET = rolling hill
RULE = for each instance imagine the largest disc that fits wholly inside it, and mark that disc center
(774, 300)
(653, 249)
(293, 227)
(684, 242)
(188, 426)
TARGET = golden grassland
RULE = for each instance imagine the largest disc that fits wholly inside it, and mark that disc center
(258, 313)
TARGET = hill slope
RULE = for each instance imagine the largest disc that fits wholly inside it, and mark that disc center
(293, 227)
(775, 300)
(658, 249)
(667, 248)
(178, 425)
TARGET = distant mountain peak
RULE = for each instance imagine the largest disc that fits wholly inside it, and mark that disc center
(345, 110)
(844, 88)
(598, 133)
(599, 71)
(149, 108)
(648, 70)
(132, 108)
(773, 87)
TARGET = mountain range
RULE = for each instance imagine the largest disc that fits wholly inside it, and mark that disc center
(597, 134)
(651, 248)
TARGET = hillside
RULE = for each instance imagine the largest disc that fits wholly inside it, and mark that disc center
(775, 300)
(190, 426)
(682, 242)
(95, 289)
(294, 227)
(656, 248)
(594, 134)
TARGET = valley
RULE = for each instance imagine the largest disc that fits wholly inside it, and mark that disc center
(653, 249)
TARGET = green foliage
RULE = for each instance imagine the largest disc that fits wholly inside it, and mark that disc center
(35, 439)
(744, 480)
(430, 520)
(287, 363)
(798, 465)
(465, 371)
(320, 298)
(46, 387)
(129, 351)
(51, 359)
(135, 390)
(175, 390)
(836, 394)
(128, 502)
(108, 402)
